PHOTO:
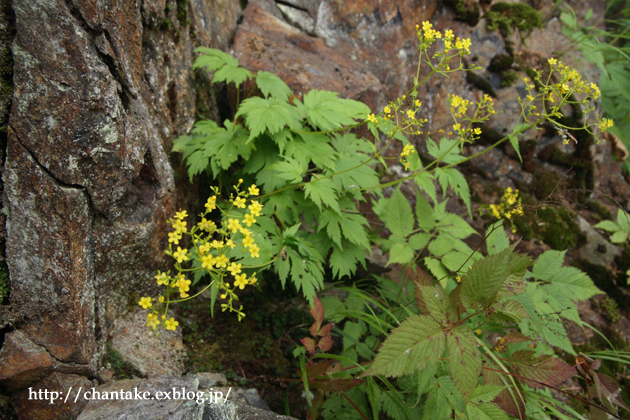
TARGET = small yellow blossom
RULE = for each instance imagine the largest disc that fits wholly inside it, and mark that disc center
(216, 244)
(459, 279)
(255, 208)
(152, 321)
(230, 243)
(180, 255)
(160, 298)
(171, 324)
(605, 124)
(234, 268)
(234, 225)
(162, 278)
(477, 131)
(145, 302)
(221, 261)
(411, 114)
(418, 103)
(211, 204)
(552, 62)
(204, 249)
(207, 261)
(179, 225)
(207, 225)
(387, 109)
(249, 219)
(239, 202)
(241, 281)
(253, 190)
(372, 118)
(254, 251)
(181, 215)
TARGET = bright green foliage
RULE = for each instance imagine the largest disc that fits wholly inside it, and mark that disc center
(225, 67)
(325, 111)
(619, 231)
(271, 85)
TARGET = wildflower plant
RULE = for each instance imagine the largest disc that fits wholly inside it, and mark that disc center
(311, 174)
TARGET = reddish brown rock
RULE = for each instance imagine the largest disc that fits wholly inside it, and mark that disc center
(53, 398)
(23, 361)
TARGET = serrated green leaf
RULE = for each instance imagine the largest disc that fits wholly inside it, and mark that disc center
(229, 74)
(424, 180)
(419, 241)
(497, 240)
(267, 115)
(400, 253)
(290, 170)
(486, 393)
(464, 359)
(451, 177)
(482, 282)
(424, 213)
(322, 191)
(455, 260)
(326, 111)
(426, 378)
(574, 284)
(343, 261)
(436, 407)
(436, 268)
(270, 84)
(447, 150)
(418, 340)
(548, 264)
(398, 216)
(435, 302)
(448, 388)
(455, 225)
(485, 412)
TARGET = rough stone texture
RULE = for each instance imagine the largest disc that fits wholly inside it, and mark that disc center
(100, 91)
(23, 361)
(199, 405)
(152, 355)
(29, 404)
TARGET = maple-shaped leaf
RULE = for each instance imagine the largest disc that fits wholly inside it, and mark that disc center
(270, 84)
(267, 115)
(324, 110)
(545, 370)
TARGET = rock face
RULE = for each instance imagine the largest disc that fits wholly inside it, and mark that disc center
(99, 93)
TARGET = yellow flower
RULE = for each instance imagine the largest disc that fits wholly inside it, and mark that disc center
(179, 226)
(207, 225)
(162, 278)
(248, 241)
(477, 131)
(418, 103)
(387, 109)
(255, 208)
(411, 114)
(217, 244)
(552, 62)
(253, 190)
(372, 118)
(152, 321)
(234, 225)
(207, 261)
(145, 302)
(241, 281)
(174, 237)
(211, 204)
(234, 268)
(181, 215)
(249, 219)
(459, 279)
(457, 127)
(160, 298)
(605, 124)
(253, 280)
(448, 34)
(254, 251)
(184, 286)
(171, 324)
(239, 202)
(204, 249)
(221, 261)
(180, 255)
(230, 243)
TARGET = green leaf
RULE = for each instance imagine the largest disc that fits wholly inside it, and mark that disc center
(485, 412)
(608, 225)
(482, 282)
(229, 74)
(213, 59)
(619, 237)
(424, 180)
(455, 225)
(290, 169)
(486, 393)
(436, 268)
(322, 191)
(270, 84)
(497, 240)
(343, 261)
(426, 378)
(548, 265)
(400, 253)
(465, 359)
(451, 393)
(514, 142)
(417, 341)
(271, 115)
(419, 241)
(424, 213)
(324, 110)
(453, 178)
(398, 216)
(351, 225)
(573, 283)
(447, 149)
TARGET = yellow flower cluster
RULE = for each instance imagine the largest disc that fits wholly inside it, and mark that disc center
(408, 150)
(561, 86)
(428, 35)
(460, 106)
(509, 207)
(213, 252)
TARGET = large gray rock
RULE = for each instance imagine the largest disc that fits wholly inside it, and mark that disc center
(100, 91)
